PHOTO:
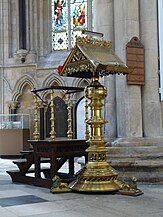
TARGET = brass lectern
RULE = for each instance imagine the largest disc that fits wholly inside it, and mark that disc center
(92, 58)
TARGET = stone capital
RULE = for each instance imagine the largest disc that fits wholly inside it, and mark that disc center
(20, 55)
(13, 104)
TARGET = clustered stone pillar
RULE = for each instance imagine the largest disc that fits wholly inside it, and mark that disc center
(1, 58)
(152, 120)
(103, 22)
(128, 97)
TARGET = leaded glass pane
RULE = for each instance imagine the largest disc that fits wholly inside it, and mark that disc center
(79, 18)
(74, 34)
(59, 15)
(59, 25)
(79, 14)
(60, 41)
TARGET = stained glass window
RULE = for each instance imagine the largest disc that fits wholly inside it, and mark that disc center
(69, 18)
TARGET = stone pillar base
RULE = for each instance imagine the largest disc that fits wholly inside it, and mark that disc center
(139, 157)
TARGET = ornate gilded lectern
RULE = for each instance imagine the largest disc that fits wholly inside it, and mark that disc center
(91, 58)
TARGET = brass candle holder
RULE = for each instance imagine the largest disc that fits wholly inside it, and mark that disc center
(36, 128)
(52, 133)
(69, 120)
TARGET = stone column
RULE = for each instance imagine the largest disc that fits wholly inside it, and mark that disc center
(4, 45)
(14, 27)
(1, 33)
(128, 97)
(31, 44)
(103, 22)
(103, 18)
(9, 24)
(40, 35)
(6, 21)
(1, 89)
(29, 25)
(152, 120)
(1, 57)
(44, 27)
(47, 27)
(34, 4)
(13, 105)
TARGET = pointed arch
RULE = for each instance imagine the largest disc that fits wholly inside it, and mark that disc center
(82, 82)
(20, 84)
(7, 84)
(51, 80)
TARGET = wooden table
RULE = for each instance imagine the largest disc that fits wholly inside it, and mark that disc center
(58, 152)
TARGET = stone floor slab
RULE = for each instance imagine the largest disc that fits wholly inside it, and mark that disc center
(75, 204)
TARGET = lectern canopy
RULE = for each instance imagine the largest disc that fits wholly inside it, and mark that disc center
(92, 57)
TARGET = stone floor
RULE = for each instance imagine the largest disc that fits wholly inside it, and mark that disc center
(25, 200)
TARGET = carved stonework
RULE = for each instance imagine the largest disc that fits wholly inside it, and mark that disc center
(13, 105)
(25, 56)
(20, 55)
